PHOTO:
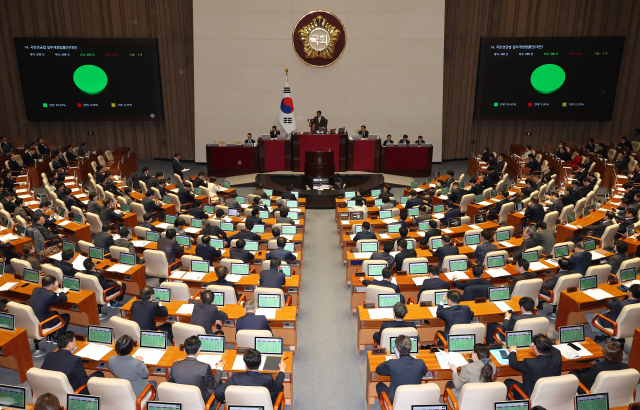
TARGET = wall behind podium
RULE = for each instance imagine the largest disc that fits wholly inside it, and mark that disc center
(390, 76)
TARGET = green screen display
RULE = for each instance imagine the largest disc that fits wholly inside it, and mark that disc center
(218, 299)
(592, 402)
(71, 283)
(170, 219)
(269, 345)
(393, 228)
(152, 236)
(462, 343)
(503, 236)
(68, 245)
(496, 294)
(153, 339)
(196, 223)
(388, 300)
(288, 229)
(436, 243)
(127, 259)
(258, 228)
(627, 274)
(439, 296)
(438, 209)
(413, 212)
(588, 282)
(6, 321)
(211, 343)
(226, 226)
(251, 245)
(560, 251)
(240, 268)
(404, 199)
(100, 335)
(519, 339)
(472, 239)
(571, 217)
(418, 268)
(96, 253)
(12, 396)
(268, 301)
(375, 270)
(455, 266)
(495, 261)
(83, 403)
(31, 275)
(369, 246)
(547, 78)
(571, 334)
(287, 270)
(414, 344)
(530, 256)
(163, 295)
(183, 240)
(200, 266)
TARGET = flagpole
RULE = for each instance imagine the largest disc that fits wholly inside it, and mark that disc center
(286, 71)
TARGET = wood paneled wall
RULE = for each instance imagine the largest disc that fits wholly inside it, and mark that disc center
(170, 21)
(469, 20)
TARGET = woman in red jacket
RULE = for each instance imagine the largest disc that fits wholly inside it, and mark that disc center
(575, 162)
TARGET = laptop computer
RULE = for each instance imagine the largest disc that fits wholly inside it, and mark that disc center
(349, 194)
(153, 339)
(82, 402)
(495, 261)
(96, 253)
(503, 236)
(159, 405)
(216, 243)
(211, 344)
(530, 256)
(31, 275)
(438, 209)
(418, 268)
(269, 301)
(209, 209)
(571, 334)
(461, 343)
(588, 282)
(269, 345)
(393, 228)
(162, 294)
(389, 300)
(72, 284)
(152, 236)
(512, 405)
(520, 338)
(368, 246)
(218, 299)
(7, 321)
(233, 212)
(183, 240)
(128, 259)
(376, 192)
(258, 228)
(627, 275)
(170, 219)
(457, 265)
(240, 269)
(13, 397)
(454, 222)
(100, 334)
(351, 203)
(497, 294)
(436, 243)
(413, 211)
(200, 266)
(226, 226)
(560, 251)
(375, 270)
(472, 239)
(589, 244)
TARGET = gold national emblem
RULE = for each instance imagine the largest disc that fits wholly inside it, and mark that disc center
(319, 38)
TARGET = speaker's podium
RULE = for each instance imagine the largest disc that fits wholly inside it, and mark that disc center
(319, 164)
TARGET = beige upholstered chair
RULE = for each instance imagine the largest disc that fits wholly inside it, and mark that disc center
(563, 283)
(48, 381)
(179, 291)
(229, 293)
(388, 333)
(123, 327)
(625, 324)
(269, 291)
(476, 396)
(552, 393)
(247, 337)
(620, 384)
(373, 291)
(252, 396)
(535, 324)
(182, 331)
(527, 287)
(92, 284)
(478, 329)
(26, 319)
(156, 264)
(117, 394)
(409, 395)
(189, 396)
(84, 246)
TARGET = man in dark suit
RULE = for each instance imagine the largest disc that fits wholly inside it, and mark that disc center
(30, 157)
(544, 238)
(116, 286)
(177, 166)
(252, 377)
(399, 311)
(534, 211)
(288, 194)
(6, 147)
(8, 202)
(387, 273)
(249, 139)
(613, 310)
(274, 132)
(414, 200)
(250, 320)
(319, 122)
(150, 205)
(580, 260)
(260, 192)
(206, 315)
(68, 199)
(63, 360)
(433, 282)
(197, 211)
(41, 300)
(104, 240)
(455, 314)
(456, 193)
(385, 255)
(620, 249)
(83, 150)
(147, 217)
(246, 234)
(556, 203)
(254, 217)
(363, 131)
(625, 144)
(446, 249)
(231, 202)
(284, 218)
(213, 230)
(47, 234)
(193, 372)
(450, 212)
(403, 253)
(522, 267)
(185, 195)
(64, 265)
(69, 155)
(145, 310)
(240, 253)
(42, 147)
(485, 247)
(158, 182)
(533, 164)
(563, 154)
(500, 165)
(45, 206)
(93, 206)
(547, 363)
(145, 176)
(622, 161)
(527, 243)
(404, 370)
(221, 274)
(565, 269)
(280, 252)
(169, 246)
(630, 218)
(477, 270)
(434, 231)
(273, 277)
(365, 233)
(527, 306)
(206, 251)
(15, 168)
(576, 193)
(107, 214)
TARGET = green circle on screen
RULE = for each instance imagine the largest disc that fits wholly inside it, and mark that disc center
(547, 78)
(90, 79)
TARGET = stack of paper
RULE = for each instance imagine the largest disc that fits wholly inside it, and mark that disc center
(433, 310)
(269, 313)
(119, 267)
(569, 353)
(473, 247)
(596, 255)
(502, 305)
(419, 280)
(484, 203)
(20, 191)
(439, 216)
(192, 230)
(94, 351)
(140, 244)
(210, 359)
(381, 313)
(56, 256)
(34, 203)
(389, 220)
(80, 195)
(537, 266)
(394, 253)
(352, 236)
(421, 233)
(289, 237)
(78, 262)
(384, 236)
(362, 255)
(551, 262)
(506, 244)
(195, 276)
(8, 286)
(185, 309)
(9, 237)
(443, 197)
(232, 277)
(150, 356)
(474, 226)
(457, 275)
(63, 223)
(163, 225)
(598, 294)
(238, 363)
(446, 359)
(497, 272)
(24, 196)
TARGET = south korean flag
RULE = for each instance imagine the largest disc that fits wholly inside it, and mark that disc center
(287, 116)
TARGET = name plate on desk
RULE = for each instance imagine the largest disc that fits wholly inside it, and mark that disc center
(379, 351)
(425, 303)
(369, 306)
(360, 289)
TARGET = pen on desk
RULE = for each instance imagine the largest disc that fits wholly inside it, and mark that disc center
(285, 358)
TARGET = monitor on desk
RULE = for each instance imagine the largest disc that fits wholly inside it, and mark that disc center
(128, 259)
(288, 229)
(153, 339)
(630, 230)
(438, 209)
(218, 299)
(505, 188)
(170, 219)
(71, 283)
(233, 212)
(418, 268)
(351, 203)
(571, 217)
(216, 243)
(159, 405)
(62, 212)
(438, 296)
(268, 192)
(404, 199)
(31, 275)
(377, 202)
(479, 198)
(520, 338)
(461, 343)
(240, 199)
(512, 405)
(290, 246)
(414, 184)
(588, 282)
(270, 345)
(393, 228)
(356, 215)
(497, 294)
(423, 226)
(68, 245)
(240, 269)
(5, 221)
(83, 402)
(209, 209)
(479, 218)
(389, 300)
(495, 261)
(385, 214)
(494, 193)
(7, 321)
(436, 243)
(293, 215)
(519, 206)
(292, 203)
(166, 200)
(586, 211)
(454, 222)
(263, 214)
(457, 265)
(196, 223)
(627, 275)
(226, 226)
(211, 344)
(560, 251)
(589, 244)
(349, 194)
(375, 270)
(376, 192)
(269, 300)
(596, 401)
(369, 246)
(152, 236)
(125, 208)
(200, 266)
(251, 245)
(286, 269)
(13, 397)
(183, 240)
(445, 191)
(413, 211)
(569, 334)
(530, 256)
(472, 239)
(226, 184)
(415, 344)
(197, 191)
(427, 180)
(258, 228)
(20, 230)
(161, 295)
(78, 218)
(100, 334)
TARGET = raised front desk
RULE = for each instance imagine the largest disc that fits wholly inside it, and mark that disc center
(409, 161)
(228, 161)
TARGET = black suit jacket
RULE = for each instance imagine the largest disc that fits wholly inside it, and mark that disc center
(403, 371)
(288, 195)
(509, 324)
(185, 196)
(255, 219)
(252, 379)
(274, 134)
(68, 202)
(64, 361)
(536, 368)
(391, 324)
(177, 167)
(383, 256)
(207, 252)
(224, 282)
(523, 276)
(205, 315)
(246, 235)
(383, 282)
(364, 235)
(242, 254)
(281, 253)
(551, 283)
(272, 278)
(433, 284)
(28, 160)
(534, 165)
(319, 122)
(104, 241)
(149, 205)
(443, 251)
(580, 262)
(108, 216)
(535, 213)
(454, 315)
(428, 234)
(472, 282)
(214, 230)
(589, 377)
(404, 254)
(14, 166)
(66, 268)
(198, 213)
(253, 322)
(195, 373)
(43, 149)
(144, 313)
(42, 299)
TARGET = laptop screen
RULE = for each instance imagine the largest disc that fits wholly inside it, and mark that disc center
(196, 223)
(208, 209)
(162, 294)
(31, 275)
(375, 270)
(497, 294)
(125, 208)
(461, 343)
(71, 283)
(197, 191)
(170, 219)
(572, 334)
(521, 338)
(531, 256)
(357, 228)
(20, 230)
(560, 251)
(404, 199)
(82, 402)
(351, 203)
(436, 243)
(472, 239)
(438, 209)
(211, 344)
(627, 274)
(68, 245)
(519, 206)
(166, 199)
(153, 339)
(127, 259)
(240, 268)
(96, 253)
(226, 184)
(424, 226)
(216, 243)
(512, 405)
(388, 300)
(287, 270)
(588, 282)
(290, 246)
(414, 184)
(369, 246)
(269, 301)
(251, 245)
(630, 230)
(233, 212)
(77, 218)
(7, 321)
(418, 268)
(589, 245)
(61, 212)
(479, 198)
(571, 217)
(226, 226)
(100, 334)
(183, 240)
(292, 203)
(413, 212)
(393, 228)
(457, 265)
(414, 344)
(377, 202)
(453, 222)
(258, 228)
(597, 401)
(430, 407)
(445, 191)
(269, 192)
(495, 261)
(288, 229)
(264, 214)
(218, 299)
(503, 235)
(494, 193)
(240, 199)
(376, 192)
(13, 397)
(349, 194)
(439, 296)
(152, 236)
(200, 266)
(269, 345)
(157, 405)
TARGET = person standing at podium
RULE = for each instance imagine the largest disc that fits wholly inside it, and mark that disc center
(318, 123)
(274, 132)
(363, 131)
(388, 141)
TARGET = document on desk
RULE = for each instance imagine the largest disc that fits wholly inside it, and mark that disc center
(497, 272)
(20, 191)
(457, 275)
(551, 262)
(352, 236)
(345, 222)
(150, 356)
(63, 223)
(389, 220)
(78, 263)
(506, 244)
(394, 280)
(474, 226)
(443, 197)
(163, 225)
(8, 286)
(421, 233)
(34, 203)
(433, 310)
(569, 353)
(571, 226)
(269, 313)
(598, 294)
(419, 280)
(473, 247)
(9, 237)
(445, 359)
(289, 237)
(502, 305)
(94, 351)
(596, 255)
(192, 230)
(185, 309)
(193, 276)
(177, 274)
(210, 359)
(439, 216)
(233, 277)
(56, 256)
(238, 363)
(484, 203)
(384, 236)
(445, 230)
(362, 255)
(381, 313)
(119, 267)
(537, 266)
(394, 253)
(140, 244)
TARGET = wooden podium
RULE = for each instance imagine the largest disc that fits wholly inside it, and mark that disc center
(319, 164)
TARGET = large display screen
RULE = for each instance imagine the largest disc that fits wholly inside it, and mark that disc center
(80, 79)
(540, 78)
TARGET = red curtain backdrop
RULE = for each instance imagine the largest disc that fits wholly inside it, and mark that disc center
(315, 142)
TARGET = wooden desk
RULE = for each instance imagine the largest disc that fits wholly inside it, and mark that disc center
(573, 306)
(15, 352)
(75, 231)
(284, 325)
(81, 306)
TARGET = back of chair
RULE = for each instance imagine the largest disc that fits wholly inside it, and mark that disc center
(186, 260)
(248, 396)
(563, 283)
(373, 291)
(511, 230)
(229, 293)
(478, 329)
(156, 264)
(527, 287)
(91, 283)
(177, 178)
(189, 396)
(579, 208)
(465, 201)
(555, 392)
(413, 242)
(608, 237)
(388, 333)
(226, 262)
(601, 271)
(20, 265)
(559, 244)
(412, 394)
(182, 331)
(430, 295)
(365, 264)
(123, 327)
(56, 272)
(535, 324)
(566, 210)
(620, 384)
(115, 394)
(505, 211)
(247, 337)
(140, 231)
(179, 291)
(224, 208)
(495, 253)
(48, 381)
(551, 219)
(627, 321)
(94, 222)
(115, 251)
(175, 200)
(476, 396)
(407, 261)
(138, 209)
(25, 319)
(269, 291)
(84, 246)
